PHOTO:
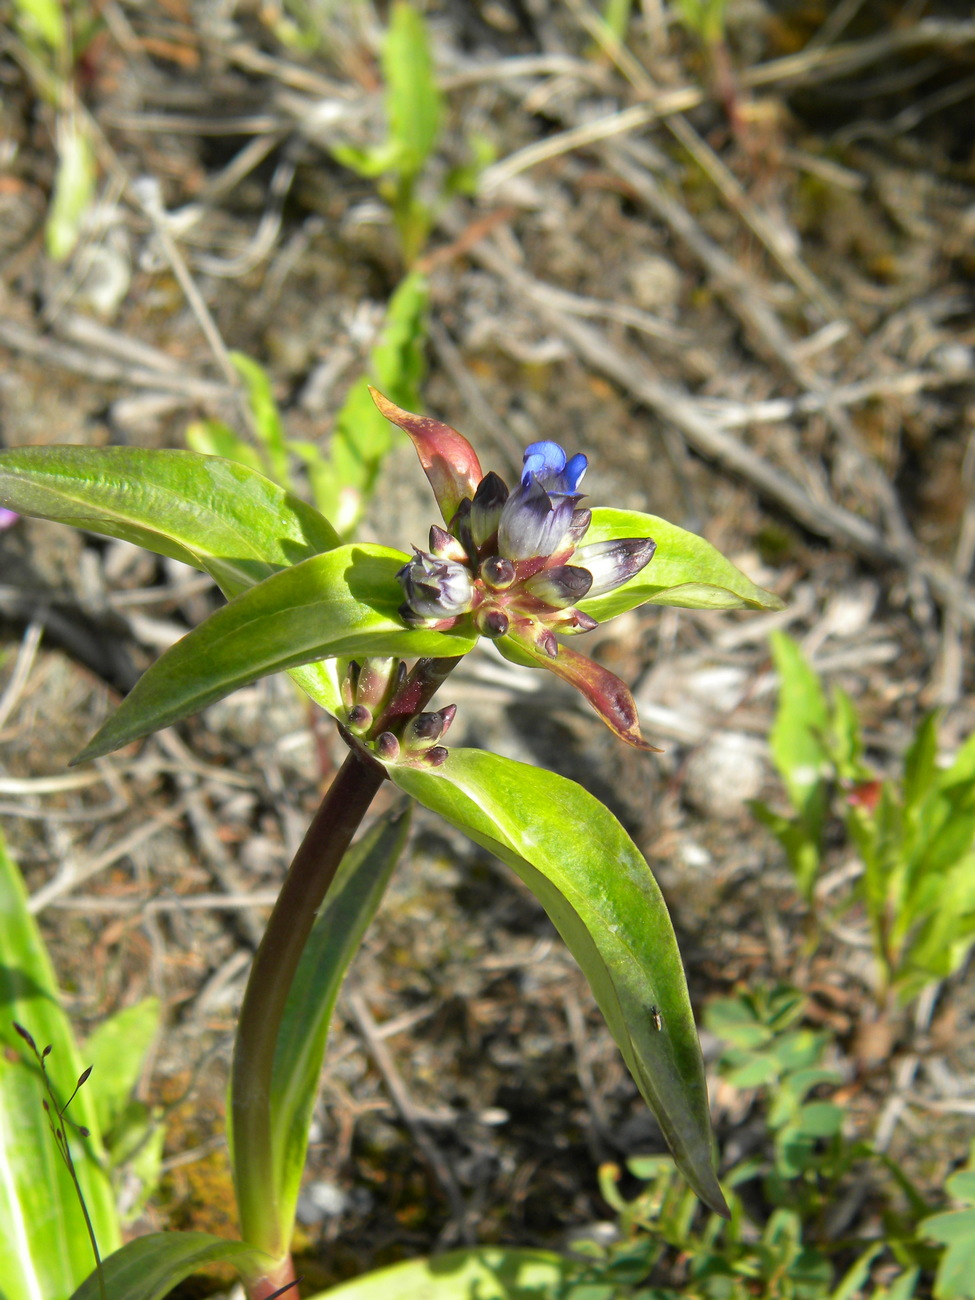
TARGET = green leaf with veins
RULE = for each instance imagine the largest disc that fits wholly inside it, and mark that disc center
(601, 895)
(686, 570)
(208, 512)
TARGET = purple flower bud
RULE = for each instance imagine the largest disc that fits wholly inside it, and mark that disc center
(446, 547)
(435, 589)
(612, 563)
(491, 622)
(7, 518)
(560, 586)
(436, 757)
(359, 718)
(387, 747)
(423, 731)
(489, 499)
(376, 680)
(533, 523)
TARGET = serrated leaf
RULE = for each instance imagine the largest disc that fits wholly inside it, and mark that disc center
(487, 1272)
(149, 1267)
(685, 571)
(208, 512)
(601, 895)
(349, 906)
(340, 603)
(44, 1246)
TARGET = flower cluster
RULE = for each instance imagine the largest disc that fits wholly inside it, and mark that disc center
(515, 562)
(372, 691)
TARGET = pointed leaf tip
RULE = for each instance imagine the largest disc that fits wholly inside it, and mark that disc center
(448, 459)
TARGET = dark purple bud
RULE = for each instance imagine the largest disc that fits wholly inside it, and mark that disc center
(387, 747)
(546, 642)
(612, 563)
(560, 586)
(460, 526)
(376, 681)
(445, 546)
(497, 573)
(532, 523)
(489, 499)
(435, 589)
(359, 718)
(436, 757)
(491, 622)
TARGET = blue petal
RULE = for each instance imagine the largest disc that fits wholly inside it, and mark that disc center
(542, 459)
(575, 470)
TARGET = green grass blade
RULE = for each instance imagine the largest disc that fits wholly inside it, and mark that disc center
(44, 1246)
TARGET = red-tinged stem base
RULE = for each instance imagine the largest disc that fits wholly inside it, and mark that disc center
(282, 1279)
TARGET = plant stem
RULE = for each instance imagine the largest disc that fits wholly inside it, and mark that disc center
(275, 963)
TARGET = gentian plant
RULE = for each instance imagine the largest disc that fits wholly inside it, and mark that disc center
(371, 634)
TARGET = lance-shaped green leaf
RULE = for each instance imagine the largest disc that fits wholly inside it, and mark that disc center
(149, 1267)
(208, 512)
(685, 570)
(44, 1246)
(484, 1272)
(599, 891)
(341, 603)
(349, 906)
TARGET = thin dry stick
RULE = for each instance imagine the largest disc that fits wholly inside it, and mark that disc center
(22, 670)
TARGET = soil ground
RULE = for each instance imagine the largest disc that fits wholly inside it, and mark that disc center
(753, 308)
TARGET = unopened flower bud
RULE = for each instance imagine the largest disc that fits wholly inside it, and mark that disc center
(491, 622)
(491, 494)
(533, 523)
(570, 622)
(445, 546)
(359, 718)
(612, 563)
(377, 680)
(497, 573)
(436, 757)
(560, 586)
(426, 729)
(387, 747)
(435, 589)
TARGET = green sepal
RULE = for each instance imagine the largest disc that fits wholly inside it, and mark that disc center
(601, 895)
(686, 570)
(340, 603)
